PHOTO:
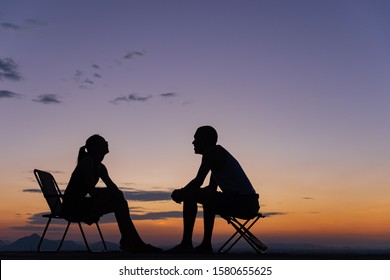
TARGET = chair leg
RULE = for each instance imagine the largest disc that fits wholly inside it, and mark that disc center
(65, 233)
(85, 239)
(63, 237)
(43, 235)
(221, 250)
(231, 242)
(101, 236)
(243, 230)
(252, 240)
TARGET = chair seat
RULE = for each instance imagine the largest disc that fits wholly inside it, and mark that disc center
(71, 219)
(244, 217)
(50, 215)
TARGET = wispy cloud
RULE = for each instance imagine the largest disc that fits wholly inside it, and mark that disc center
(133, 54)
(88, 81)
(77, 76)
(158, 215)
(96, 67)
(47, 99)
(9, 70)
(132, 195)
(168, 94)
(8, 94)
(37, 219)
(134, 97)
(50, 171)
(28, 23)
(31, 22)
(307, 198)
(33, 228)
(32, 190)
(10, 26)
(131, 98)
(147, 195)
(119, 99)
(38, 191)
(269, 214)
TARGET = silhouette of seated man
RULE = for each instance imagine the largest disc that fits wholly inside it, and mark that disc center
(236, 198)
(83, 201)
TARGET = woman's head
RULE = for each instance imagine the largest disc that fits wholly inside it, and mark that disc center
(95, 146)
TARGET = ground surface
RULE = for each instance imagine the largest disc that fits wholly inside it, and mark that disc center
(119, 255)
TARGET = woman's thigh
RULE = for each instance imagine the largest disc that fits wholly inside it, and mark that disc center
(104, 201)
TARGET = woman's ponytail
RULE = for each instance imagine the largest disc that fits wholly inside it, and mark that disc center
(82, 154)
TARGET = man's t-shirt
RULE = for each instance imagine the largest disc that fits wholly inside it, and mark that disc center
(228, 173)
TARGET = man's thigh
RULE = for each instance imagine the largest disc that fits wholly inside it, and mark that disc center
(236, 205)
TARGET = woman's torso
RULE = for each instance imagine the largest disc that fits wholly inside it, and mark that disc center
(83, 179)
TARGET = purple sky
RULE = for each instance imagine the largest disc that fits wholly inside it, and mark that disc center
(298, 90)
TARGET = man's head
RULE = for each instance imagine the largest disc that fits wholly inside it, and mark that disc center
(204, 137)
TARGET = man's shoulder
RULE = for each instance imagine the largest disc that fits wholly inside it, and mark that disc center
(216, 156)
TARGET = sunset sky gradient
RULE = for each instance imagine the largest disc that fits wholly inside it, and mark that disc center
(299, 92)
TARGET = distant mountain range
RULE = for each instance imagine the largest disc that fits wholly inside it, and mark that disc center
(4, 243)
(30, 243)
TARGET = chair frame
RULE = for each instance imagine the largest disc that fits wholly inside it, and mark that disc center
(54, 198)
(242, 230)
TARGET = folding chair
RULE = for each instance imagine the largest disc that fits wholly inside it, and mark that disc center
(53, 196)
(242, 230)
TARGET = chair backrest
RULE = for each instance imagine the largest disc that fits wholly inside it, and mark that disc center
(50, 190)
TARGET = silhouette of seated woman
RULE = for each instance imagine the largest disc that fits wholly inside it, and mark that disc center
(237, 196)
(85, 202)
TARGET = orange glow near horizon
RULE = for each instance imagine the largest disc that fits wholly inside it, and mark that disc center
(307, 228)
(293, 218)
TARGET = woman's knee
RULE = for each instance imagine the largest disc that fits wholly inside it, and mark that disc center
(121, 202)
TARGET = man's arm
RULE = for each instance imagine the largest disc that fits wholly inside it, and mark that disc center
(203, 170)
(196, 183)
(212, 184)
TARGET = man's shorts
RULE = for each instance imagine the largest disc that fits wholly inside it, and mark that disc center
(232, 204)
